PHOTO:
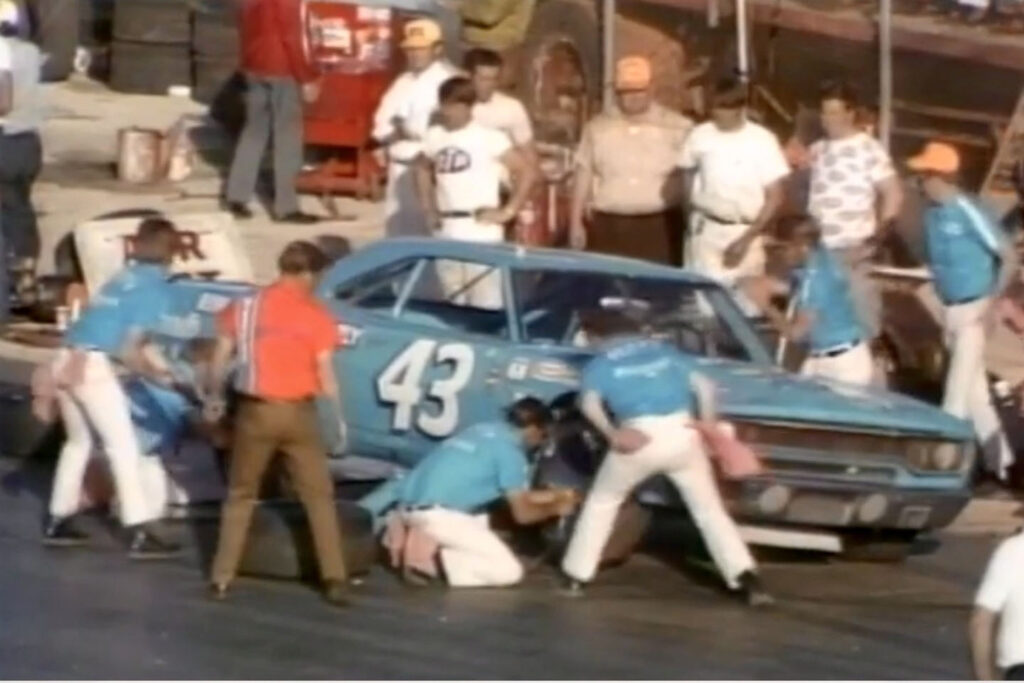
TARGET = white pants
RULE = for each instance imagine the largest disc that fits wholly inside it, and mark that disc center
(853, 367)
(99, 406)
(471, 553)
(403, 215)
(456, 276)
(706, 250)
(966, 394)
(675, 450)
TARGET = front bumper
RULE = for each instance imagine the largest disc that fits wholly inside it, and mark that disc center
(826, 505)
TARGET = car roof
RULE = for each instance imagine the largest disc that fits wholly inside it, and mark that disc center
(387, 251)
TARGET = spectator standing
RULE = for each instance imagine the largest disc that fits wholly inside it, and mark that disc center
(112, 332)
(447, 494)
(971, 264)
(493, 108)
(458, 177)
(21, 151)
(855, 196)
(278, 78)
(998, 615)
(285, 340)
(626, 175)
(734, 170)
(401, 121)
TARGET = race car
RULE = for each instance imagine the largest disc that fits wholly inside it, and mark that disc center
(420, 361)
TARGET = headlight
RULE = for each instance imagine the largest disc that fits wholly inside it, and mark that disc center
(948, 457)
(935, 457)
(919, 455)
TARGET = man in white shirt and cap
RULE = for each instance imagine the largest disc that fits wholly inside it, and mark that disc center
(402, 119)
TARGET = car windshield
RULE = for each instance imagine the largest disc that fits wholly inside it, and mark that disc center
(701, 319)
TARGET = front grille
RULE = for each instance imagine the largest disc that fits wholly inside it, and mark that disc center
(821, 440)
(831, 470)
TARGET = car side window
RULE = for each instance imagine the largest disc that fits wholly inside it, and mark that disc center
(378, 290)
(458, 295)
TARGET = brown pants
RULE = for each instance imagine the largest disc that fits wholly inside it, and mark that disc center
(261, 430)
(653, 237)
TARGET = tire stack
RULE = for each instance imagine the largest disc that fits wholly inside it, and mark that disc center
(215, 56)
(151, 50)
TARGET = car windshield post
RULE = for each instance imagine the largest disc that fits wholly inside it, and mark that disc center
(408, 286)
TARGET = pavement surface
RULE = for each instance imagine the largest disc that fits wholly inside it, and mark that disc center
(92, 613)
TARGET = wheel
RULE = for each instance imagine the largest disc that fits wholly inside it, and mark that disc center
(164, 22)
(55, 28)
(215, 34)
(882, 547)
(561, 60)
(280, 544)
(149, 69)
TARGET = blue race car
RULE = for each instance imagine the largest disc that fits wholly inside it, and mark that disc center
(422, 360)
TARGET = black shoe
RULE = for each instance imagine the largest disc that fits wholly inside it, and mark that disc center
(60, 532)
(217, 592)
(238, 210)
(298, 218)
(753, 591)
(146, 546)
(336, 593)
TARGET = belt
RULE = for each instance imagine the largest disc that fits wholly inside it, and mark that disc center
(718, 220)
(834, 351)
(458, 214)
(965, 301)
(419, 508)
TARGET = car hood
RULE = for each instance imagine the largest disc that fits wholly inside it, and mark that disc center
(769, 393)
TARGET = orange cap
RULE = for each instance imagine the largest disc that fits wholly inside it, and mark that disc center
(633, 73)
(420, 33)
(936, 157)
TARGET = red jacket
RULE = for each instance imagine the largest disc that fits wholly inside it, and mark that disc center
(271, 32)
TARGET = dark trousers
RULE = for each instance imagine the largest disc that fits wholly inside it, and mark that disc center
(262, 429)
(1015, 673)
(653, 237)
(273, 107)
(21, 157)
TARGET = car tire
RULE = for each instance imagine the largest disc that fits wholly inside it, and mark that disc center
(56, 30)
(280, 545)
(25, 436)
(215, 34)
(160, 22)
(882, 547)
(148, 69)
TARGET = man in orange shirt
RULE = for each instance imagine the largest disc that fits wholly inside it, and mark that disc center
(283, 340)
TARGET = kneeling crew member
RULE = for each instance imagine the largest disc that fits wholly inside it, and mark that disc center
(825, 311)
(446, 494)
(652, 390)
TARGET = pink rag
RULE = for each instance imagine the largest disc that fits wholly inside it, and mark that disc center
(735, 459)
(409, 546)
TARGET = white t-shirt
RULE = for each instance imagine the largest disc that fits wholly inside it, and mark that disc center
(844, 175)
(467, 166)
(732, 170)
(1002, 592)
(412, 98)
(506, 114)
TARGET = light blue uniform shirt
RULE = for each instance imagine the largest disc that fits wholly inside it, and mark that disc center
(136, 298)
(963, 249)
(640, 377)
(467, 472)
(823, 289)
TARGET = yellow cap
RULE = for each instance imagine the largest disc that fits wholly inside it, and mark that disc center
(420, 33)
(936, 157)
(633, 73)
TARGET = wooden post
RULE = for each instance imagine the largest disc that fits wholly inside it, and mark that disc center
(608, 11)
(885, 76)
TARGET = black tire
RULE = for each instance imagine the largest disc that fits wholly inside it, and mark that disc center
(881, 547)
(573, 22)
(55, 29)
(162, 22)
(280, 545)
(215, 35)
(148, 69)
(228, 105)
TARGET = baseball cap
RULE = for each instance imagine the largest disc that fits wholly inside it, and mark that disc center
(633, 73)
(9, 12)
(420, 33)
(936, 157)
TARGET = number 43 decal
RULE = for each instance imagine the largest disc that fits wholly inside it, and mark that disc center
(401, 384)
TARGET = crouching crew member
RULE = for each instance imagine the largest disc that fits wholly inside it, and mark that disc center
(110, 334)
(285, 340)
(825, 312)
(971, 263)
(446, 495)
(653, 392)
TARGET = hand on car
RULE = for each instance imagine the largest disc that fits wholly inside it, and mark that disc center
(737, 251)
(495, 216)
(628, 440)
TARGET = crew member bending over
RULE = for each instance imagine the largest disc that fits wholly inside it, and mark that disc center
(825, 312)
(652, 390)
(446, 495)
